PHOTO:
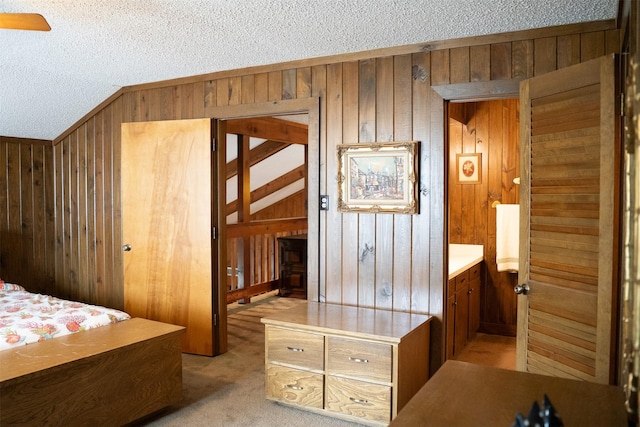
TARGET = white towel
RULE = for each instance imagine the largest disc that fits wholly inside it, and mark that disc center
(507, 237)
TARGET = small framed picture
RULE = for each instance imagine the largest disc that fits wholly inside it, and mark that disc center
(378, 178)
(468, 166)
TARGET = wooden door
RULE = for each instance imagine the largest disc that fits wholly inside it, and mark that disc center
(167, 223)
(566, 323)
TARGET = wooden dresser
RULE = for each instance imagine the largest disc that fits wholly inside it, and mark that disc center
(293, 266)
(357, 364)
(466, 395)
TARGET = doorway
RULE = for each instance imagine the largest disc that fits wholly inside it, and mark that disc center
(486, 135)
(266, 203)
(224, 114)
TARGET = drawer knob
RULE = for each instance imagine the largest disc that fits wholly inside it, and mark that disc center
(360, 401)
(358, 360)
(299, 350)
(294, 387)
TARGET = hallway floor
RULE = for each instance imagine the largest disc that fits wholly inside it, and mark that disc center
(490, 350)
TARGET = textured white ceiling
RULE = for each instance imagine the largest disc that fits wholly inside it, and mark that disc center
(49, 80)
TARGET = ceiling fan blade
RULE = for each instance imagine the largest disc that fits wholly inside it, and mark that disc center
(24, 21)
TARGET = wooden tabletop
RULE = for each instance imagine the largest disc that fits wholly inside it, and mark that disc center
(462, 394)
(382, 325)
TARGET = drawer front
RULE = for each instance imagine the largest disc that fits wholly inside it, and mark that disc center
(474, 271)
(462, 279)
(360, 359)
(294, 386)
(302, 349)
(359, 399)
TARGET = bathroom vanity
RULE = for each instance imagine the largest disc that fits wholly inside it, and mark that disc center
(463, 295)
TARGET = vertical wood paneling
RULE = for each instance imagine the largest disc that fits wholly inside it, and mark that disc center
(459, 58)
(275, 86)
(500, 61)
(14, 216)
(421, 232)
(522, 59)
(364, 257)
(26, 215)
(100, 248)
(289, 84)
(403, 131)
(350, 129)
(592, 45)
(82, 198)
(235, 90)
(4, 208)
(467, 192)
(568, 51)
(333, 223)
(303, 82)
(440, 67)
(544, 55)
(39, 231)
(480, 63)
(367, 222)
(262, 87)
(110, 292)
(90, 206)
(384, 251)
(248, 89)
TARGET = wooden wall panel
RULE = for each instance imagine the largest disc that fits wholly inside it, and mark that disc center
(27, 228)
(362, 100)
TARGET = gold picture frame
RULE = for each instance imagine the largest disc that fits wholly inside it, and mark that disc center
(469, 168)
(380, 177)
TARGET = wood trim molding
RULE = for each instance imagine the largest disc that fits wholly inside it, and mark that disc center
(479, 91)
(26, 141)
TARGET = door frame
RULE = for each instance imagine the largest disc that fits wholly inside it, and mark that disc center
(310, 106)
(464, 92)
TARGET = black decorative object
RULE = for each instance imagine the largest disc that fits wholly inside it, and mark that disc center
(539, 417)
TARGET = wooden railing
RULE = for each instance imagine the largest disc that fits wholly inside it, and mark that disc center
(252, 255)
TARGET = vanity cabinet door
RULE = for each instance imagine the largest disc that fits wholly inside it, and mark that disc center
(451, 316)
(462, 316)
(474, 300)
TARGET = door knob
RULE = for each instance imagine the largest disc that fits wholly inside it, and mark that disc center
(521, 289)
(126, 247)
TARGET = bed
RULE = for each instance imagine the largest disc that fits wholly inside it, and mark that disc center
(67, 363)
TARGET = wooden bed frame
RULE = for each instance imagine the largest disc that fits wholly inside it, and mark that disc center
(111, 375)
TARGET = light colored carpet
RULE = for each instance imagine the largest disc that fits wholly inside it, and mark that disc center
(228, 390)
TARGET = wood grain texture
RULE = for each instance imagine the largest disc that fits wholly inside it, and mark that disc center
(166, 188)
(294, 386)
(348, 112)
(497, 395)
(569, 268)
(127, 370)
(376, 360)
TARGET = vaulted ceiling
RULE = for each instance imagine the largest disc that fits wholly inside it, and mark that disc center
(49, 80)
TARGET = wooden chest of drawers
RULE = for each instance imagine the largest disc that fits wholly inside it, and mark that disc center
(352, 363)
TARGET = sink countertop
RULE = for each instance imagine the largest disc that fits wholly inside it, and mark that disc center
(463, 257)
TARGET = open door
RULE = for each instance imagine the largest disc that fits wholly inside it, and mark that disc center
(167, 227)
(568, 257)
